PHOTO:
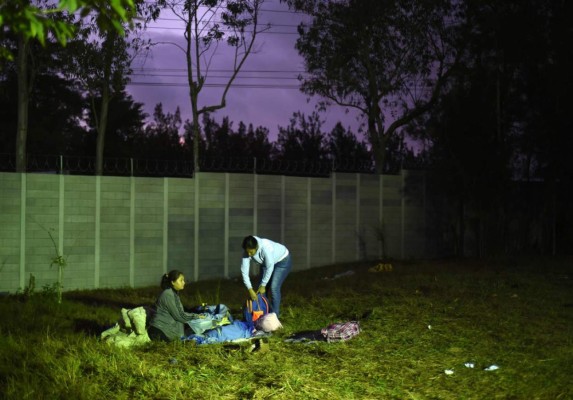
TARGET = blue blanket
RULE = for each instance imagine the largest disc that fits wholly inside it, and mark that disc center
(227, 333)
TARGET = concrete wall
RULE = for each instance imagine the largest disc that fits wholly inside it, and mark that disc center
(121, 231)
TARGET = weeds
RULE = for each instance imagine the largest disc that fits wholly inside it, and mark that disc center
(61, 262)
(417, 321)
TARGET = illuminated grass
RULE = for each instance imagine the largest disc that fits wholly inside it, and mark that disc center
(420, 319)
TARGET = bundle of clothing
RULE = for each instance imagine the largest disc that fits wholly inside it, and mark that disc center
(234, 330)
(130, 329)
(213, 325)
(337, 332)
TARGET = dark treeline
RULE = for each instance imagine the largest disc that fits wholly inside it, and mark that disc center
(499, 140)
(494, 129)
(62, 124)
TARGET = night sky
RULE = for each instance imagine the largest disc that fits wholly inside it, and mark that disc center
(266, 91)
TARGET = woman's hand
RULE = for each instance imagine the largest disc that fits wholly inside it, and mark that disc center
(252, 294)
(262, 290)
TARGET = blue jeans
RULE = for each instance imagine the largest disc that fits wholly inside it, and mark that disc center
(280, 272)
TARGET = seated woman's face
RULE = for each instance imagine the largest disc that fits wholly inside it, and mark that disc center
(179, 283)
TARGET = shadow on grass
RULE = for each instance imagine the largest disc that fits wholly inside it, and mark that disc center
(97, 301)
(89, 327)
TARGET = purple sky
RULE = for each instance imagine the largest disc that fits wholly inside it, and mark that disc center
(276, 63)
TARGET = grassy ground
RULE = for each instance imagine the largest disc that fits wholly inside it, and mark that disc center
(425, 318)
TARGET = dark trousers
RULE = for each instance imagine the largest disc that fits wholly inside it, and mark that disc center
(157, 334)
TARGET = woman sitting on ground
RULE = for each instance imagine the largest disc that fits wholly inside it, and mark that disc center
(170, 318)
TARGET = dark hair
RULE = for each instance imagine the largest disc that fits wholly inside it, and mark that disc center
(249, 242)
(169, 277)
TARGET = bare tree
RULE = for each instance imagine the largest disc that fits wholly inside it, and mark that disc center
(208, 23)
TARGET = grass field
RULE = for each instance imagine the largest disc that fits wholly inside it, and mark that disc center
(423, 318)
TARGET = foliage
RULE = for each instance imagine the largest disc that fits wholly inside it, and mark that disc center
(387, 59)
(100, 60)
(503, 121)
(27, 21)
(537, 50)
(31, 21)
(417, 320)
(56, 124)
(343, 145)
(160, 138)
(302, 139)
(125, 130)
(63, 127)
(61, 262)
(30, 288)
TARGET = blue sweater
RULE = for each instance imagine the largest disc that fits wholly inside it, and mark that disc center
(268, 254)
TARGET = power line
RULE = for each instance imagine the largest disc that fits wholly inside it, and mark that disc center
(223, 30)
(184, 85)
(260, 9)
(221, 22)
(218, 76)
(214, 85)
(258, 71)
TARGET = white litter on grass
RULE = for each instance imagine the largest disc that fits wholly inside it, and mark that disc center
(341, 275)
(469, 365)
(449, 371)
(491, 368)
(429, 326)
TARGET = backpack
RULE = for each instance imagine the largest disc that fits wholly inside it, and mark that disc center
(341, 331)
(253, 310)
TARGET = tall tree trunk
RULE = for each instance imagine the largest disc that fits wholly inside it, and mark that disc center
(102, 125)
(196, 131)
(462, 225)
(378, 146)
(105, 99)
(23, 100)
